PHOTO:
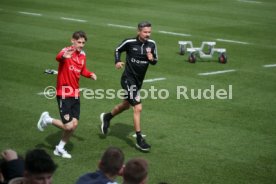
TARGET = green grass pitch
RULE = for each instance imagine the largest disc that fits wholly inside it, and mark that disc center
(203, 141)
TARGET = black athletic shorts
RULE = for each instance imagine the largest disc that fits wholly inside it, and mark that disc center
(131, 91)
(69, 108)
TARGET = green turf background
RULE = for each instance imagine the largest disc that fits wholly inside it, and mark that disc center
(193, 141)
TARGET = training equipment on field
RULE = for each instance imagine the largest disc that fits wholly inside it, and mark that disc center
(50, 71)
(207, 50)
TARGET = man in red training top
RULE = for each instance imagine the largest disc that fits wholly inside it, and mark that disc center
(72, 64)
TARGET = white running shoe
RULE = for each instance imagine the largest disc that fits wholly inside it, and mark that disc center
(62, 152)
(41, 124)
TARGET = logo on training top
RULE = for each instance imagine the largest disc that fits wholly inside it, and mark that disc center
(66, 117)
(73, 68)
(79, 61)
(133, 60)
(135, 49)
(148, 49)
(137, 98)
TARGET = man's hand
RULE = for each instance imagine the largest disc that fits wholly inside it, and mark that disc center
(68, 53)
(150, 56)
(93, 76)
(9, 155)
(121, 172)
(119, 65)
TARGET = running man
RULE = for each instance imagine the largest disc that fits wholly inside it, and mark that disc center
(72, 64)
(140, 52)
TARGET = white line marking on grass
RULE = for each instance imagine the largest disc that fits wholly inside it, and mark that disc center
(217, 72)
(134, 135)
(232, 41)
(247, 1)
(44, 93)
(72, 19)
(153, 80)
(172, 33)
(269, 66)
(121, 26)
(29, 13)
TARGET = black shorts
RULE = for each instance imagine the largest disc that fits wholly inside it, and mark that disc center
(69, 108)
(131, 91)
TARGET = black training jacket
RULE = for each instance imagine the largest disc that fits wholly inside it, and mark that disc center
(136, 58)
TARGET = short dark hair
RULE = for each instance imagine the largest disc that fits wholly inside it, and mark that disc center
(144, 24)
(37, 161)
(112, 161)
(135, 171)
(79, 34)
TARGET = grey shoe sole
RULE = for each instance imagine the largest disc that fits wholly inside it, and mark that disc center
(39, 122)
(143, 149)
(102, 125)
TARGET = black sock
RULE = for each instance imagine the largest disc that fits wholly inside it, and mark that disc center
(109, 116)
(138, 135)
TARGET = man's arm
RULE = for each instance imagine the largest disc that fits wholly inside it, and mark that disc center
(59, 56)
(118, 51)
(152, 56)
(86, 73)
(13, 166)
(65, 53)
(121, 48)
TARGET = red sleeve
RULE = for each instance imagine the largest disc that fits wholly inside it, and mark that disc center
(85, 72)
(59, 56)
